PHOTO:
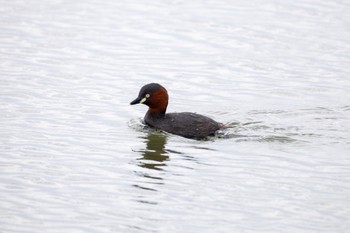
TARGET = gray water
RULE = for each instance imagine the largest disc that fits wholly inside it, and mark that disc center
(75, 156)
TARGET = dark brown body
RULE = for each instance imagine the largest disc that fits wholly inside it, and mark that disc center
(185, 124)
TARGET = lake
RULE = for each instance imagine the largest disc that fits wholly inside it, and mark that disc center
(76, 157)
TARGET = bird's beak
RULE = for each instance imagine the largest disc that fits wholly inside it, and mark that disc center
(136, 101)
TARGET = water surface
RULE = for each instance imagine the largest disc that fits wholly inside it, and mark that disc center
(75, 156)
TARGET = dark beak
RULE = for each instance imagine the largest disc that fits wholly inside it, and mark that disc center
(136, 101)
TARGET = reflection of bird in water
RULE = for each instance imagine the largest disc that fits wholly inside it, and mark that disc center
(154, 155)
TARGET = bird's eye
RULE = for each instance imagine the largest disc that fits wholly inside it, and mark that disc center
(148, 95)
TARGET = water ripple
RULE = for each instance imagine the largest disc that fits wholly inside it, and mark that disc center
(75, 156)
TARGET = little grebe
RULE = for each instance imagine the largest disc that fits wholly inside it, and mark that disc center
(185, 124)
